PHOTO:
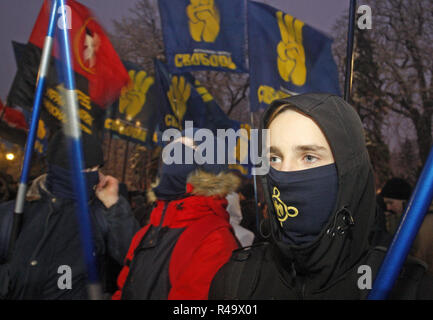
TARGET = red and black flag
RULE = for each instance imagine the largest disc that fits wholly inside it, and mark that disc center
(99, 72)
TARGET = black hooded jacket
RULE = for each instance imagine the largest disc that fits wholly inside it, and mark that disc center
(329, 267)
(50, 239)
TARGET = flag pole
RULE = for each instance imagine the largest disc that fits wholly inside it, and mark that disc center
(40, 86)
(110, 137)
(125, 161)
(256, 198)
(72, 130)
(349, 51)
(401, 243)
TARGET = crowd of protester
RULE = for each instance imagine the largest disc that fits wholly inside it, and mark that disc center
(201, 231)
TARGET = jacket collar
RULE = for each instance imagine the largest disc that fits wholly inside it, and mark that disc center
(39, 191)
(184, 211)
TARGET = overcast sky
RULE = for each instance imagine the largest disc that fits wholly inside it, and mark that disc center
(18, 18)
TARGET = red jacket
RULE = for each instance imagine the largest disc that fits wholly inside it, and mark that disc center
(197, 239)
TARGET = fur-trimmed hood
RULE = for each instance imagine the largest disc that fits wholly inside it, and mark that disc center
(210, 184)
(38, 185)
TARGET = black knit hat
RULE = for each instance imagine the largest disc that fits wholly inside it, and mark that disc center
(58, 153)
(397, 188)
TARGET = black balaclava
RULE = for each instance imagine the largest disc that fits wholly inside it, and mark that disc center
(303, 201)
(172, 183)
(344, 237)
(59, 176)
(174, 176)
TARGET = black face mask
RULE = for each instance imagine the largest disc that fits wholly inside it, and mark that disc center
(59, 182)
(303, 201)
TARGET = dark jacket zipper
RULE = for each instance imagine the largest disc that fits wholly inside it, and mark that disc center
(299, 284)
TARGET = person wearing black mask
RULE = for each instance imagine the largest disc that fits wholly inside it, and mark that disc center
(321, 202)
(50, 235)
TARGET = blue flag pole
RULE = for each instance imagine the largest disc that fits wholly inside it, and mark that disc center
(401, 243)
(40, 86)
(349, 51)
(256, 197)
(72, 130)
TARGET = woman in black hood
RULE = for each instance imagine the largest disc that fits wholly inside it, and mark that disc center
(321, 199)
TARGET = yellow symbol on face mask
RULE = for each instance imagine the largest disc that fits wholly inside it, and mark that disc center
(133, 97)
(291, 54)
(283, 211)
(178, 95)
(204, 20)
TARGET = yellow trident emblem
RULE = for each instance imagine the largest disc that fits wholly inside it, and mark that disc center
(283, 211)
(291, 53)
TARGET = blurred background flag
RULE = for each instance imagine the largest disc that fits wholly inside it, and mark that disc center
(13, 125)
(286, 57)
(41, 140)
(177, 101)
(132, 116)
(207, 34)
(183, 98)
(99, 73)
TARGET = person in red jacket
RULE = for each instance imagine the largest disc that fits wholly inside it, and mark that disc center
(189, 236)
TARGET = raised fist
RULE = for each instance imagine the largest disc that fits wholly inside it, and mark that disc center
(204, 20)
(291, 54)
(107, 190)
(133, 97)
(178, 95)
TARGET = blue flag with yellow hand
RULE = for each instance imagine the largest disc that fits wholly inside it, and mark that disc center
(286, 57)
(204, 34)
(131, 117)
(182, 98)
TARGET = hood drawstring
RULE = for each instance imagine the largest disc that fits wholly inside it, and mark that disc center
(347, 222)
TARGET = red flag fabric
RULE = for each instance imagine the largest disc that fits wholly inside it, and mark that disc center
(93, 55)
(12, 117)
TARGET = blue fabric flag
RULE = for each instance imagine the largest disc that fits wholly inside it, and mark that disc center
(183, 98)
(204, 35)
(286, 57)
(131, 117)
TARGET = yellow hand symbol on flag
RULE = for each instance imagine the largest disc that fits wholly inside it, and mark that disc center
(291, 53)
(41, 130)
(133, 97)
(178, 95)
(204, 20)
